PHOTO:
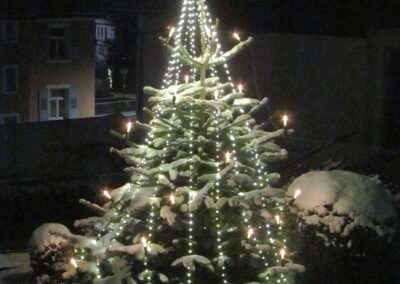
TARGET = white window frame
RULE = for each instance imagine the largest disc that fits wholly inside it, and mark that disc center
(66, 99)
(4, 29)
(4, 69)
(66, 43)
(9, 114)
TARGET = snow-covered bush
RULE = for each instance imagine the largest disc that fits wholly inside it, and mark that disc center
(47, 250)
(337, 202)
(345, 220)
(51, 246)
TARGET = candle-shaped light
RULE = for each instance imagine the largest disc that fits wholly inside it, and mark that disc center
(171, 31)
(74, 263)
(278, 219)
(228, 157)
(285, 120)
(282, 252)
(240, 88)
(187, 78)
(208, 31)
(216, 95)
(143, 240)
(236, 36)
(107, 194)
(129, 127)
(250, 233)
(172, 199)
(297, 193)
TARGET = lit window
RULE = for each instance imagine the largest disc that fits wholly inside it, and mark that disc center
(10, 79)
(57, 103)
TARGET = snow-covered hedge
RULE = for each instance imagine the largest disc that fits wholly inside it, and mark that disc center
(337, 202)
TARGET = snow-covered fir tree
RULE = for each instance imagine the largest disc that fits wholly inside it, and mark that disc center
(200, 206)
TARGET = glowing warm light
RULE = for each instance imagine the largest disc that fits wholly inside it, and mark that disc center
(144, 241)
(282, 253)
(228, 157)
(278, 219)
(236, 36)
(208, 31)
(172, 199)
(285, 120)
(129, 126)
(240, 88)
(250, 233)
(216, 95)
(297, 193)
(187, 79)
(172, 30)
(107, 194)
(74, 263)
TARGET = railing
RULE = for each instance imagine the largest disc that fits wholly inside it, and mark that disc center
(113, 106)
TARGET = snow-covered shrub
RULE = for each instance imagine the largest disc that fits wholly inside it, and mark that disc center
(346, 220)
(337, 202)
(48, 251)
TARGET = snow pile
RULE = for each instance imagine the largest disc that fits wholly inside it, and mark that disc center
(340, 201)
(47, 235)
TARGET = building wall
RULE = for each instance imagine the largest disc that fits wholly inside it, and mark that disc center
(37, 71)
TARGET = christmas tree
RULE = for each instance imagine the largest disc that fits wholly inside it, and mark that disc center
(200, 206)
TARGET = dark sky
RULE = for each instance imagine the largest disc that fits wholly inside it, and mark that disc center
(335, 17)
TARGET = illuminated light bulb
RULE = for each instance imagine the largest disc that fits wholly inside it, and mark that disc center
(228, 157)
(250, 233)
(216, 95)
(236, 36)
(208, 31)
(74, 263)
(107, 194)
(278, 219)
(172, 30)
(143, 240)
(172, 198)
(129, 126)
(297, 193)
(285, 120)
(240, 88)
(282, 252)
(187, 79)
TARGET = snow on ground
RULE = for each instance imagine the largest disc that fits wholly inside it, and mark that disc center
(340, 201)
(15, 268)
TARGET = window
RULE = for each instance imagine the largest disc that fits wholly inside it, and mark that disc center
(57, 43)
(9, 118)
(10, 79)
(57, 105)
(10, 31)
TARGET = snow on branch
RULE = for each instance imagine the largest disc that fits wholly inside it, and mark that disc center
(92, 206)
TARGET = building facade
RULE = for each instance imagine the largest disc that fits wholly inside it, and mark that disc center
(48, 67)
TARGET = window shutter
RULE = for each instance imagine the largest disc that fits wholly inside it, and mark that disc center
(73, 103)
(43, 104)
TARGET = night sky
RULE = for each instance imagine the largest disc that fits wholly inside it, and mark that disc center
(333, 17)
